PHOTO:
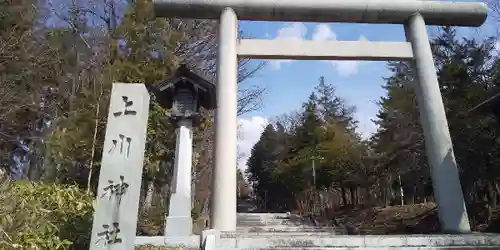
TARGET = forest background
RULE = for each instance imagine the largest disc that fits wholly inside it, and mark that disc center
(55, 84)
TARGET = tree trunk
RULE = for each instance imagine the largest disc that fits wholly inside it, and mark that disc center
(492, 199)
(359, 196)
(368, 196)
(388, 191)
(469, 201)
(497, 189)
(142, 195)
(413, 195)
(148, 199)
(353, 195)
(94, 140)
(383, 193)
(50, 168)
(344, 196)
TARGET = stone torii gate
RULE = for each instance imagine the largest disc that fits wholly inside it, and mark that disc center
(414, 15)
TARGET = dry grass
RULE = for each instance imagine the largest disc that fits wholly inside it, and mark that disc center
(409, 219)
(200, 224)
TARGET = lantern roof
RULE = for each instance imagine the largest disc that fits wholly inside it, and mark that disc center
(203, 89)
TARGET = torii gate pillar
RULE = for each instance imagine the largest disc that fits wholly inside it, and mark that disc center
(439, 149)
(223, 206)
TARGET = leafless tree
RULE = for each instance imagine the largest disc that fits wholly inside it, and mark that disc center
(199, 50)
(289, 121)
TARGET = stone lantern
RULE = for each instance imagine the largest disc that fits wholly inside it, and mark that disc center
(183, 95)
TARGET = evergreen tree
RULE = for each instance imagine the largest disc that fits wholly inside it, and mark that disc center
(466, 73)
(306, 135)
(262, 164)
(320, 148)
(333, 108)
(399, 139)
(26, 76)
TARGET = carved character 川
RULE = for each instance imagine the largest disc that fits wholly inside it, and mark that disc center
(122, 145)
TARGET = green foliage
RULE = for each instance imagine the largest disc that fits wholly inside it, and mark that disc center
(322, 137)
(45, 217)
(56, 82)
(281, 167)
(262, 163)
(196, 210)
(468, 75)
(24, 69)
(152, 221)
(141, 49)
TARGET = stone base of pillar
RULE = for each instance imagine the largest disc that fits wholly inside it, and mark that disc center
(179, 222)
(209, 239)
(179, 226)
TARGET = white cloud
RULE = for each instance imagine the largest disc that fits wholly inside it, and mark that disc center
(365, 126)
(323, 32)
(346, 68)
(297, 31)
(294, 31)
(249, 133)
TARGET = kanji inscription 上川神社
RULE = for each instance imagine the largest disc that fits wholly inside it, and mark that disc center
(121, 169)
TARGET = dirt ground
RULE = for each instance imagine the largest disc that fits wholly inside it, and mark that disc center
(409, 219)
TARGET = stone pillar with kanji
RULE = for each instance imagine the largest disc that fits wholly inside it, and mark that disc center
(117, 200)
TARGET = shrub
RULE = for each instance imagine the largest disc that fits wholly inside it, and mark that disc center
(151, 222)
(44, 216)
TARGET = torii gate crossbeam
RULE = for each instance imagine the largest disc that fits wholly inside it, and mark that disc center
(414, 15)
(350, 11)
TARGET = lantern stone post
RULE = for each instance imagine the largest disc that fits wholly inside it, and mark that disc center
(179, 222)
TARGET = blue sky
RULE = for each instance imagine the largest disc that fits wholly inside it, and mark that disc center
(289, 83)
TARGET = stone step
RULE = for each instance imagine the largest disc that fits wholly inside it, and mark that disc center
(325, 240)
(358, 242)
(379, 248)
(277, 234)
(281, 222)
(265, 223)
(262, 216)
(269, 219)
(291, 229)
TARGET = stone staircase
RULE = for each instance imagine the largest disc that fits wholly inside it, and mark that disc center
(284, 231)
(280, 222)
(325, 241)
(260, 231)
